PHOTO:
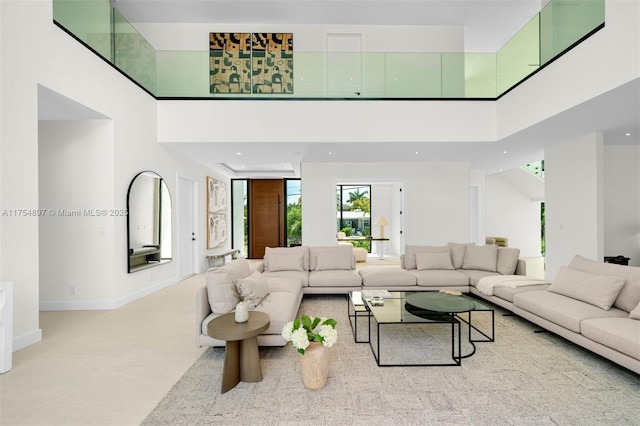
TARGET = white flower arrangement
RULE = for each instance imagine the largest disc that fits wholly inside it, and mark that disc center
(307, 329)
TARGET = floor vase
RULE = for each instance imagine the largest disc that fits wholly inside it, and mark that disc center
(314, 365)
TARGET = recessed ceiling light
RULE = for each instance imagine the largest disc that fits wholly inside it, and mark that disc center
(627, 134)
(238, 153)
(504, 152)
(329, 152)
(417, 152)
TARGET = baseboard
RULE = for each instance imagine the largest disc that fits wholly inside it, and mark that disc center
(27, 340)
(97, 305)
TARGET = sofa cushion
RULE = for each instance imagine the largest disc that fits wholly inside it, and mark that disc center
(334, 278)
(238, 268)
(507, 293)
(280, 258)
(341, 257)
(629, 296)
(482, 258)
(597, 290)
(301, 276)
(281, 307)
(440, 278)
(387, 277)
(475, 276)
(253, 289)
(283, 284)
(507, 260)
(332, 261)
(285, 262)
(621, 334)
(561, 310)
(220, 291)
(410, 253)
(457, 253)
(635, 314)
(435, 260)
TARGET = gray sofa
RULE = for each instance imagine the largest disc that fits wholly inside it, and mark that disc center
(278, 297)
(454, 267)
(320, 270)
(593, 304)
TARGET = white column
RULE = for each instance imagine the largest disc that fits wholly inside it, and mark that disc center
(6, 326)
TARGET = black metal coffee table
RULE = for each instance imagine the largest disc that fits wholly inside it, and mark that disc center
(420, 309)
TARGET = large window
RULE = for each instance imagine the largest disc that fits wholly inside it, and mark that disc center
(354, 212)
(293, 212)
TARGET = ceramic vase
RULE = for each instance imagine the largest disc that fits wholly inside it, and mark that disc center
(242, 312)
(314, 365)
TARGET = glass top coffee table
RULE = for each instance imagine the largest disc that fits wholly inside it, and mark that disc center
(405, 328)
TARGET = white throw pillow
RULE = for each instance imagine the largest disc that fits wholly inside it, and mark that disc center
(253, 289)
(333, 261)
(635, 314)
(457, 253)
(597, 290)
(507, 260)
(220, 291)
(427, 261)
(238, 268)
(285, 261)
(481, 258)
(410, 254)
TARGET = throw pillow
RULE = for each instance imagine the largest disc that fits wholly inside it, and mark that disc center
(410, 254)
(285, 261)
(427, 261)
(457, 253)
(481, 258)
(333, 261)
(238, 268)
(507, 260)
(221, 292)
(597, 290)
(253, 289)
(635, 314)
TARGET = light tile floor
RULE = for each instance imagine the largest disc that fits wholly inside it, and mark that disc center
(103, 367)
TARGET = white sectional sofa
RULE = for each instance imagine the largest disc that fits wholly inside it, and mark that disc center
(278, 297)
(320, 270)
(593, 304)
(454, 267)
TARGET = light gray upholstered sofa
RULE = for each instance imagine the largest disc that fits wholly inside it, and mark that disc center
(593, 304)
(454, 267)
(320, 270)
(281, 303)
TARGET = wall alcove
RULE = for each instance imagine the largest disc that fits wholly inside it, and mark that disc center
(148, 222)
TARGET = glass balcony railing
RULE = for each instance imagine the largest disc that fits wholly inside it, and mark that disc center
(344, 75)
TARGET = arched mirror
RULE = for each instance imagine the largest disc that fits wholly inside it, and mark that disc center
(149, 222)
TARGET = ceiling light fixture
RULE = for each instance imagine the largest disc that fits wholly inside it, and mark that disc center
(627, 134)
(238, 153)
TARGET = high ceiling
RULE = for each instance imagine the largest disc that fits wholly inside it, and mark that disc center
(488, 25)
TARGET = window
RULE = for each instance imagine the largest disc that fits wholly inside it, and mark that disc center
(354, 212)
(293, 213)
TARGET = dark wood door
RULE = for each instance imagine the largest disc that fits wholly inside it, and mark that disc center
(266, 216)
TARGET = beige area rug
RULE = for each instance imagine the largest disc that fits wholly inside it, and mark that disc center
(523, 378)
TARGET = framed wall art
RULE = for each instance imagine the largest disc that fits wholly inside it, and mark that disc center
(216, 213)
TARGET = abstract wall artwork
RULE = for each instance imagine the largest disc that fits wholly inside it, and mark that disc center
(216, 213)
(251, 63)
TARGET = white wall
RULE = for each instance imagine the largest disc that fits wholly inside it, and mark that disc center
(126, 148)
(574, 201)
(513, 214)
(436, 199)
(76, 177)
(312, 38)
(622, 201)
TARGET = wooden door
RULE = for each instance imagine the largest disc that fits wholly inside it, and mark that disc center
(266, 216)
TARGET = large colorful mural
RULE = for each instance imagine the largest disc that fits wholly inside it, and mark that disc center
(251, 63)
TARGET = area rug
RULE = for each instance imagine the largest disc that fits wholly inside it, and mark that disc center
(523, 378)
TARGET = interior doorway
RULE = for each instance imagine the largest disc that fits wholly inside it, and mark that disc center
(187, 200)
